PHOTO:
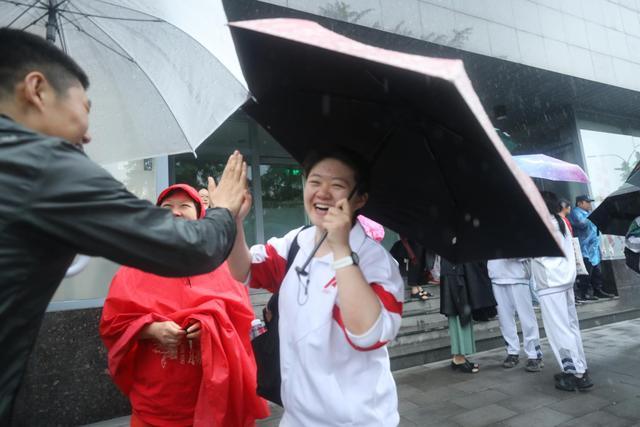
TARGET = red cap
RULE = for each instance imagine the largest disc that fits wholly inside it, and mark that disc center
(191, 192)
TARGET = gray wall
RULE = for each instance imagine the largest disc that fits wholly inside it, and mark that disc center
(67, 382)
(593, 39)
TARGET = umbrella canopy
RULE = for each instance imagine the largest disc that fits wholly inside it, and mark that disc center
(634, 176)
(371, 228)
(440, 174)
(547, 167)
(164, 74)
(615, 213)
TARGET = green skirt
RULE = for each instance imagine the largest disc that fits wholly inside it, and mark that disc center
(462, 339)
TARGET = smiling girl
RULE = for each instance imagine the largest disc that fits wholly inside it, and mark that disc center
(337, 314)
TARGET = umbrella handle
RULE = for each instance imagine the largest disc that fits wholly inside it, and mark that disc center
(302, 270)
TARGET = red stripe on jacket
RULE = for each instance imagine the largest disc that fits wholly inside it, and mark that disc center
(388, 300)
(269, 273)
(337, 316)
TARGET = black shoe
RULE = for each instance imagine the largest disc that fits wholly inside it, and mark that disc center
(560, 374)
(569, 382)
(467, 367)
(602, 294)
(511, 361)
(590, 298)
(566, 382)
(534, 365)
(584, 383)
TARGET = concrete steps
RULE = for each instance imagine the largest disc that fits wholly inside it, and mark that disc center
(424, 335)
(424, 341)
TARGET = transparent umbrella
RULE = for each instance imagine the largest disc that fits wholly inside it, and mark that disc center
(547, 167)
(164, 74)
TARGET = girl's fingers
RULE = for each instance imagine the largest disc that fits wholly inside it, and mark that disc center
(211, 185)
(341, 204)
(243, 173)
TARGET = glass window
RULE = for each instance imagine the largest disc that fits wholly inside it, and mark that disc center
(282, 203)
(93, 281)
(609, 158)
(277, 191)
(195, 171)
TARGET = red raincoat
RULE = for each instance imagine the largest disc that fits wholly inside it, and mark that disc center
(208, 383)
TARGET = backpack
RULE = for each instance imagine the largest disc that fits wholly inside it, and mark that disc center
(266, 347)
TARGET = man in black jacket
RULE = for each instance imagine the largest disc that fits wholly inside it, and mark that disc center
(55, 202)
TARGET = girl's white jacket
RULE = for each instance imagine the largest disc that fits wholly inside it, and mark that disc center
(330, 376)
(509, 271)
(555, 274)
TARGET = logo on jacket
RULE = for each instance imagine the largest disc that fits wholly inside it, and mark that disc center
(330, 284)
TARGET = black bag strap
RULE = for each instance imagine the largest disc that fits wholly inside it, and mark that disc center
(293, 250)
(272, 304)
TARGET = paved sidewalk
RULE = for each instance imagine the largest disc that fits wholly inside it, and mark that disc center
(434, 395)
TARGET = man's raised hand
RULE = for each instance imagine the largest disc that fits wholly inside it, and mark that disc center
(230, 191)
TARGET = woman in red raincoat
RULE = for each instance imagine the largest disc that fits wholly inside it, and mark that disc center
(179, 348)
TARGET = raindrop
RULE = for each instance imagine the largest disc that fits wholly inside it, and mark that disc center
(476, 222)
(454, 240)
(467, 217)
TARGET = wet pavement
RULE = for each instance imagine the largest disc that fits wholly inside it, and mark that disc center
(434, 395)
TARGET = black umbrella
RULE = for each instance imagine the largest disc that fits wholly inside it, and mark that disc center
(440, 174)
(615, 213)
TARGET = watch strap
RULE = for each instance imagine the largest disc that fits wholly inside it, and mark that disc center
(343, 262)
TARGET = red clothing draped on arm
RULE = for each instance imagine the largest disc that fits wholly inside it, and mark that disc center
(211, 382)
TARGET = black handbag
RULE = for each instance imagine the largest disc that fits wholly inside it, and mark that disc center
(266, 347)
(632, 259)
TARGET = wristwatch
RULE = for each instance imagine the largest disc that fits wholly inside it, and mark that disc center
(346, 261)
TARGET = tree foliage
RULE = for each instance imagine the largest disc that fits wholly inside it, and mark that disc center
(281, 184)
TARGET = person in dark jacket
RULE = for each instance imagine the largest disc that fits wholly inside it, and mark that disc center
(412, 259)
(465, 295)
(55, 202)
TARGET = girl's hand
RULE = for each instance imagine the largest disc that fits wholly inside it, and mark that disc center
(245, 207)
(338, 223)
